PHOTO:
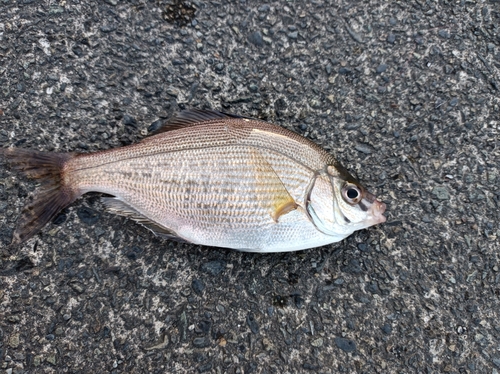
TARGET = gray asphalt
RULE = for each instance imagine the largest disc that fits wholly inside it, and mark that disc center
(404, 94)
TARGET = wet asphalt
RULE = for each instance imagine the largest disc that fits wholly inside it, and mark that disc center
(405, 94)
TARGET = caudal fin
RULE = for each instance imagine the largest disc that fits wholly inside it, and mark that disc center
(54, 194)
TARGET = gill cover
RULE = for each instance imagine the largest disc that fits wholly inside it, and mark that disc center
(320, 203)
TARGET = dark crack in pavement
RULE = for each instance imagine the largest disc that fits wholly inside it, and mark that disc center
(405, 94)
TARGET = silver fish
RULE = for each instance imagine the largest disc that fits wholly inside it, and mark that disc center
(209, 178)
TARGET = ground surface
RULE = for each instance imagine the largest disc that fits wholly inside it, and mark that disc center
(405, 94)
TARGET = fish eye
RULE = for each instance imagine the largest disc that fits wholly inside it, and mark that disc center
(351, 193)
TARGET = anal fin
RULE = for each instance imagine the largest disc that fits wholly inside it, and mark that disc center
(121, 208)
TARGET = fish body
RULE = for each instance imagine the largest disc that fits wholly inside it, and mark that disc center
(213, 179)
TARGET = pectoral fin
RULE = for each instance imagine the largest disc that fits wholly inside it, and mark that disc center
(273, 191)
(121, 208)
(283, 208)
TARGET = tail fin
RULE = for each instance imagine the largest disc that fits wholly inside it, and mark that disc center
(54, 195)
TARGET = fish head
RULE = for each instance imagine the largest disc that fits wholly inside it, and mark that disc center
(339, 204)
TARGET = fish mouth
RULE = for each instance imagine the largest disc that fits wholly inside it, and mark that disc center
(376, 212)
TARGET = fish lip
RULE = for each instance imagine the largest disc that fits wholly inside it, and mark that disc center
(377, 211)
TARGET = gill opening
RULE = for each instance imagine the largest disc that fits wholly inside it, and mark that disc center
(309, 209)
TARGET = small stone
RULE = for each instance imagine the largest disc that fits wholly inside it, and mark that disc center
(222, 342)
(253, 87)
(363, 148)
(293, 35)
(346, 345)
(172, 91)
(441, 193)
(344, 71)
(14, 341)
(391, 38)
(444, 34)
(66, 317)
(267, 344)
(299, 301)
(496, 361)
(427, 219)
(197, 286)
(256, 38)
(362, 247)
(381, 68)
(37, 360)
(393, 21)
(77, 287)
(308, 366)
(317, 342)
(386, 329)
(354, 34)
(205, 367)
(88, 215)
(219, 67)
(108, 28)
(129, 120)
(51, 359)
(315, 103)
(252, 323)
(213, 267)
(14, 318)
(202, 342)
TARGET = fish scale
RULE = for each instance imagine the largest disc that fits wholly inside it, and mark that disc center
(217, 180)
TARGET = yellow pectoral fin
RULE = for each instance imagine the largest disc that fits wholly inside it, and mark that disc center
(283, 207)
(273, 190)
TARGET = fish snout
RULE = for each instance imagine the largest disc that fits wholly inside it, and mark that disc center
(377, 211)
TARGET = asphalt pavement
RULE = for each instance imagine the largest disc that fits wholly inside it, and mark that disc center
(405, 94)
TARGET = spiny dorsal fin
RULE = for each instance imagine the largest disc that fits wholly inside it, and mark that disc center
(123, 209)
(193, 117)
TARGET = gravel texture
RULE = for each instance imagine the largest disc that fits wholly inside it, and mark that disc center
(405, 94)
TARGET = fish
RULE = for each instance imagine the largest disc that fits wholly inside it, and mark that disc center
(209, 178)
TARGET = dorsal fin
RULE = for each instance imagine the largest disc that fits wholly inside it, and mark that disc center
(193, 117)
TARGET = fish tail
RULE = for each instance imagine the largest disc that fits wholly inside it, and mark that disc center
(54, 195)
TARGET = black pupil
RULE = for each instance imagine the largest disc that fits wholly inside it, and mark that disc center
(352, 193)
